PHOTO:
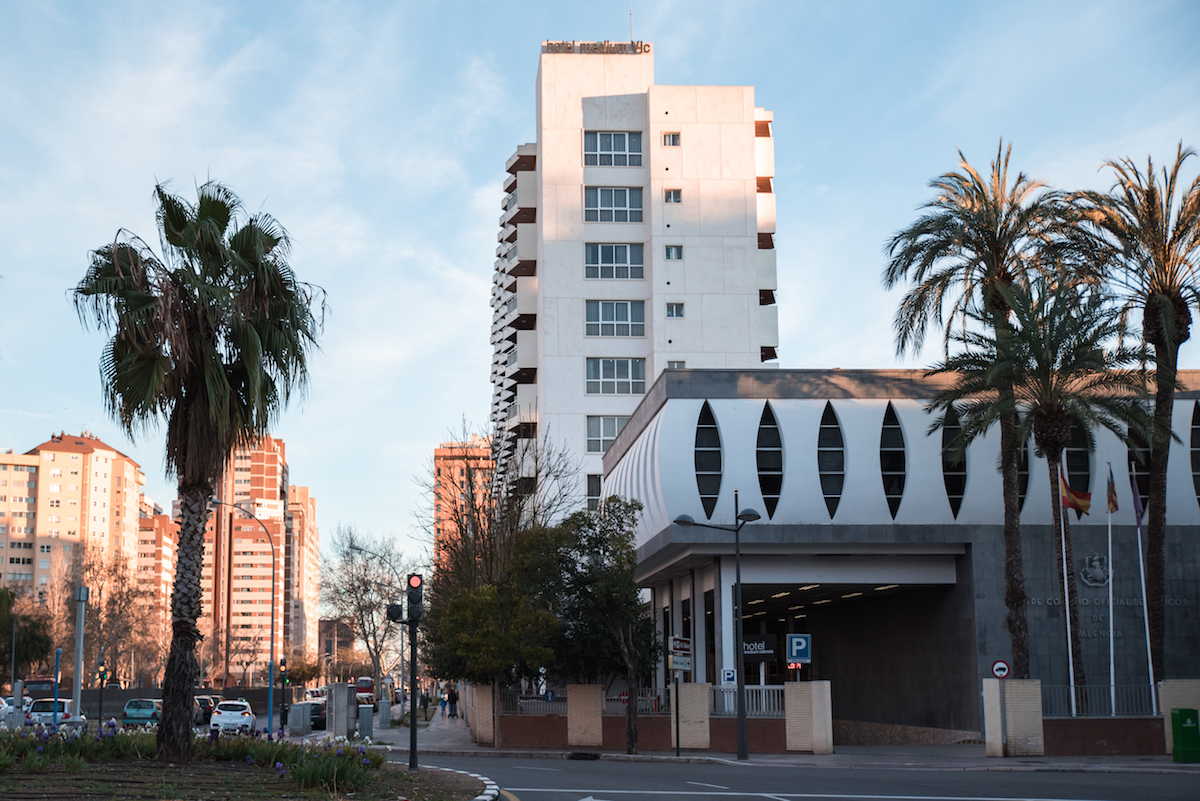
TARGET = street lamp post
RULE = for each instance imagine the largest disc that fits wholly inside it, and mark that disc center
(742, 518)
(271, 666)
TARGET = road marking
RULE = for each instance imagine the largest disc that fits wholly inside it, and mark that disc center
(777, 795)
(527, 767)
(706, 784)
(509, 795)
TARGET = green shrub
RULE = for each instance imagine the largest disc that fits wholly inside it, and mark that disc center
(72, 763)
(35, 763)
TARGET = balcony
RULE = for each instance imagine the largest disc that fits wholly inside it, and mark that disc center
(767, 277)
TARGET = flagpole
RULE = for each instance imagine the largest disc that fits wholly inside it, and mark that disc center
(1112, 669)
(1146, 622)
(1137, 512)
(1062, 533)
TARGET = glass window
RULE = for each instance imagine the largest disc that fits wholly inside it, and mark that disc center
(601, 431)
(595, 483)
(614, 261)
(674, 252)
(612, 204)
(674, 309)
(676, 365)
(673, 196)
(670, 140)
(615, 318)
(616, 376)
(612, 149)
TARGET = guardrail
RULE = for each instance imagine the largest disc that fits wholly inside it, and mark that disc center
(1095, 700)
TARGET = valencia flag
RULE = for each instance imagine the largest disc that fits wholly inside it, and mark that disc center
(1080, 501)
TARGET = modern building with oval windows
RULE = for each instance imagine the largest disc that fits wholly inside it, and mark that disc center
(876, 538)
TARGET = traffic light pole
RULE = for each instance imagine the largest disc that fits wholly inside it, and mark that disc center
(412, 689)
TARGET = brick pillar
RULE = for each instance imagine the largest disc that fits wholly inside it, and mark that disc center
(693, 715)
(585, 711)
(1023, 717)
(483, 725)
(993, 722)
(808, 715)
(1176, 694)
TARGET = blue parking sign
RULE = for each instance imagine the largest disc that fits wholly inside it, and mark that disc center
(799, 648)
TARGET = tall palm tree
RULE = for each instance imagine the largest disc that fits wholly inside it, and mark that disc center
(1065, 382)
(213, 338)
(1143, 238)
(976, 238)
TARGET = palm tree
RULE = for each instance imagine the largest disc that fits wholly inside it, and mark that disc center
(1064, 383)
(1143, 237)
(213, 338)
(978, 237)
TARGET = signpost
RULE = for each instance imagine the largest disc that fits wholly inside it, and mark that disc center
(728, 676)
(1000, 669)
(799, 650)
(681, 660)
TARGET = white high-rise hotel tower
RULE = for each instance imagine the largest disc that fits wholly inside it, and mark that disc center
(637, 236)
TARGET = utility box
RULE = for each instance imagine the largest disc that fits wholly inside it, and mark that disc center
(366, 720)
(300, 720)
(1185, 734)
(385, 714)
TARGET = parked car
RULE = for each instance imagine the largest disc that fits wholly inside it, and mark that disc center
(141, 711)
(233, 716)
(42, 711)
(316, 711)
(25, 704)
(205, 704)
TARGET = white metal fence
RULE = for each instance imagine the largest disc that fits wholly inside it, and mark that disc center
(651, 701)
(761, 702)
(523, 702)
(1095, 700)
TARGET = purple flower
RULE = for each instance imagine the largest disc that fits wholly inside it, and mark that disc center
(339, 752)
(249, 759)
(39, 749)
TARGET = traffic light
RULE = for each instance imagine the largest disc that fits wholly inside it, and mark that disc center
(395, 613)
(415, 591)
(283, 670)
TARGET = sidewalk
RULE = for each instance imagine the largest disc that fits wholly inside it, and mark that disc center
(451, 737)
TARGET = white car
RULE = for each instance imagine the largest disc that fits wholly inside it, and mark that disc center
(233, 716)
(42, 711)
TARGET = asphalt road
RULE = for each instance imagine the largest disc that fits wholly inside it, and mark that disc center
(561, 780)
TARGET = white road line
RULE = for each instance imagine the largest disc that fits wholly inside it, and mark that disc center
(706, 784)
(776, 795)
(526, 767)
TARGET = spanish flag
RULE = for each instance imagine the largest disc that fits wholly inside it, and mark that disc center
(1080, 501)
(1112, 492)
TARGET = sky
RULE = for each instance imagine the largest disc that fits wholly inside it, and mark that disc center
(377, 133)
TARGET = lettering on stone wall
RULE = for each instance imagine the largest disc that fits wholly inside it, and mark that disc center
(1052, 601)
(597, 48)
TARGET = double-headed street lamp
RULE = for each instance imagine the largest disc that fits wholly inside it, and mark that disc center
(271, 666)
(742, 518)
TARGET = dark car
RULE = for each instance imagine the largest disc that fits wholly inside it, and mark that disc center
(205, 704)
(316, 710)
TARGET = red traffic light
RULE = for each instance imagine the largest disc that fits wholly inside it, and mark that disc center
(414, 581)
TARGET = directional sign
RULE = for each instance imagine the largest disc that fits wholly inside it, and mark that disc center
(799, 648)
(681, 662)
(728, 676)
(1000, 669)
(681, 646)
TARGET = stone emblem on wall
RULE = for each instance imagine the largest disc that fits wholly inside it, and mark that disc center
(1094, 572)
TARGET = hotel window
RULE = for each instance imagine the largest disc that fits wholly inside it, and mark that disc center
(615, 318)
(674, 252)
(674, 309)
(601, 431)
(614, 261)
(616, 376)
(612, 149)
(594, 490)
(673, 196)
(676, 365)
(612, 204)
(670, 140)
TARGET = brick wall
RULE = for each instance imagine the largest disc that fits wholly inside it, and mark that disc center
(1176, 694)
(1023, 717)
(808, 722)
(585, 711)
(693, 715)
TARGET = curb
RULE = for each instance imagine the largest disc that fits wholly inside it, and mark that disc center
(491, 790)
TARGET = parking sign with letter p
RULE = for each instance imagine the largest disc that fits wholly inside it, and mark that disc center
(799, 648)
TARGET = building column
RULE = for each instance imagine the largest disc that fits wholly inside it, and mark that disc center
(699, 624)
(728, 652)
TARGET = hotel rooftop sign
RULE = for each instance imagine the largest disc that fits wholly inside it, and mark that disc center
(597, 48)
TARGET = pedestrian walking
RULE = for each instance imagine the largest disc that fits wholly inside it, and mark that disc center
(452, 697)
(442, 704)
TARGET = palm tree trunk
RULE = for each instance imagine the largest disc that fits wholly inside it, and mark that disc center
(1016, 622)
(1166, 357)
(629, 655)
(1061, 524)
(179, 676)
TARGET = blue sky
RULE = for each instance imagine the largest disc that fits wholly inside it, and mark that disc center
(377, 134)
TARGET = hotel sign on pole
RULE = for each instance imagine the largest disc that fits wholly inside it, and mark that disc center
(597, 48)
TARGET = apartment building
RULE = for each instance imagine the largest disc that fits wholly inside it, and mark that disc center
(462, 476)
(67, 492)
(637, 235)
(256, 567)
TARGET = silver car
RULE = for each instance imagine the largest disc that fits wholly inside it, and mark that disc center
(233, 716)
